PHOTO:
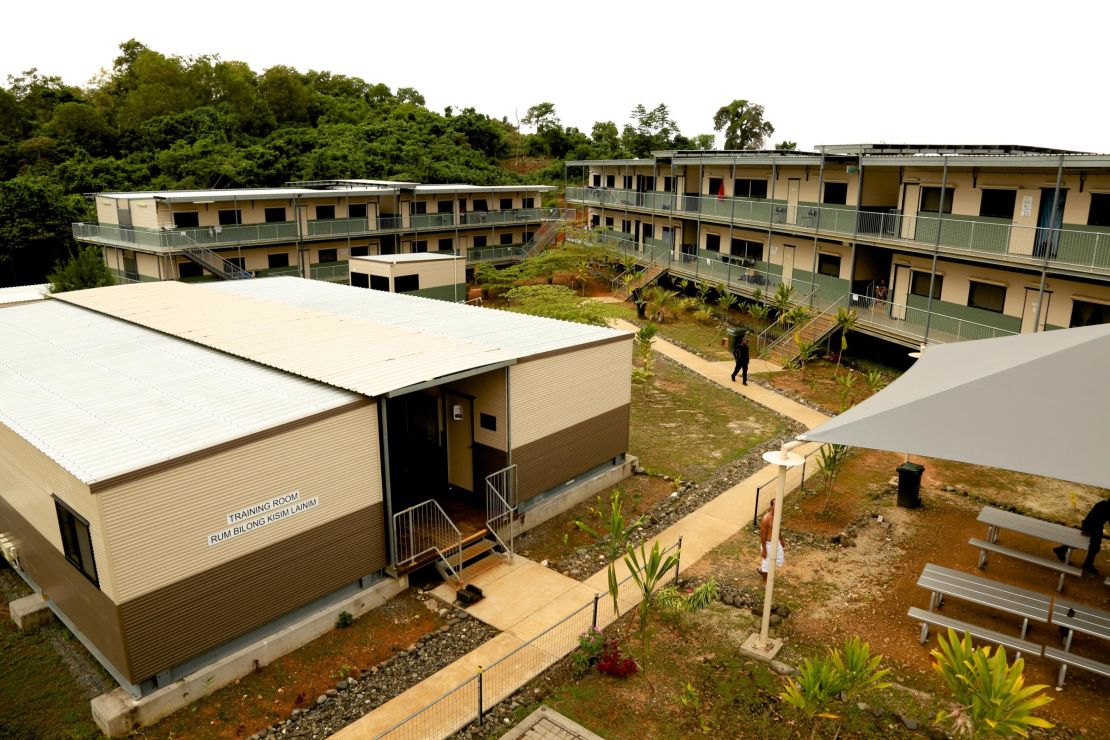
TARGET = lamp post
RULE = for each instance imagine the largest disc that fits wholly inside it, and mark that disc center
(762, 645)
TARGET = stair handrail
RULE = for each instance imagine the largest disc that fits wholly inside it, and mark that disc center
(500, 506)
(428, 529)
(216, 263)
(801, 331)
(615, 284)
(762, 343)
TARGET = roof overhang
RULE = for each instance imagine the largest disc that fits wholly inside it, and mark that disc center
(449, 378)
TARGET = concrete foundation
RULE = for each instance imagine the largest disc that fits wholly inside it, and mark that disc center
(30, 612)
(117, 713)
(756, 649)
(576, 493)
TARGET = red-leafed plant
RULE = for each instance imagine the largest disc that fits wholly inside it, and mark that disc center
(615, 664)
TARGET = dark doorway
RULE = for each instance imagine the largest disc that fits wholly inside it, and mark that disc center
(1049, 223)
(417, 453)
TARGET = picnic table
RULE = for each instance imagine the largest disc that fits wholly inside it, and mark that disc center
(998, 519)
(942, 582)
(1074, 617)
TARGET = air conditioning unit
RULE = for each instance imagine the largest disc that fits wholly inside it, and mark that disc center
(11, 553)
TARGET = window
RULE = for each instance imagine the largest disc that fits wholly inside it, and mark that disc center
(595, 220)
(506, 239)
(356, 210)
(919, 284)
(1099, 215)
(528, 202)
(649, 230)
(668, 184)
(715, 185)
(325, 213)
(828, 264)
(713, 242)
(610, 181)
(746, 188)
(986, 296)
(487, 421)
(997, 203)
(505, 204)
(836, 193)
(277, 260)
(239, 262)
(189, 270)
(186, 219)
(327, 255)
(360, 280)
(418, 207)
(596, 181)
(76, 542)
(930, 200)
(379, 282)
(479, 242)
(230, 216)
(406, 283)
(627, 183)
(445, 206)
(360, 251)
(419, 246)
(744, 249)
(480, 205)
(1085, 313)
(275, 215)
(626, 226)
(447, 245)
(609, 221)
(649, 182)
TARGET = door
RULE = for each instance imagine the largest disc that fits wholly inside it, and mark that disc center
(787, 265)
(911, 197)
(900, 292)
(1029, 312)
(459, 415)
(793, 188)
(1049, 223)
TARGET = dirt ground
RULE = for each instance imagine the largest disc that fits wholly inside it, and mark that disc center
(866, 589)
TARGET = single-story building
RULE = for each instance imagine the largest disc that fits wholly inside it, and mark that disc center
(184, 465)
(424, 274)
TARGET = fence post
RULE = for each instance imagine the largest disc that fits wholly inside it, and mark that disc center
(593, 622)
(481, 714)
(755, 513)
(677, 560)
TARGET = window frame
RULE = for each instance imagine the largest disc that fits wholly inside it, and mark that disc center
(930, 190)
(992, 209)
(480, 241)
(327, 215)
(179, 216)
(406, 283)
(839, 194)
(270, 258)
(1099, 216)
(938, 284)
(713, 243)
(749, 187)
(269, 212)
(71, 527)
(972, 285)
(229, 216)
(321, 253)
(824, 259)
(357, 210)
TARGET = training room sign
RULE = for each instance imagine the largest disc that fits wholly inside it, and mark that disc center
(264, 513)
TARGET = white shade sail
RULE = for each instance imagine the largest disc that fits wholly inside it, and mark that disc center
(1035, 403)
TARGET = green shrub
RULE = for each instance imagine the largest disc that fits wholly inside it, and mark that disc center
(345, 620)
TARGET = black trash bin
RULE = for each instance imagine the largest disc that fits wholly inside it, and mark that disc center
(735, 333)
(909, 485)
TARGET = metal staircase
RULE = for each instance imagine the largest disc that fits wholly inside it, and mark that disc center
(784, 350)
(542, 238)
(214, 263)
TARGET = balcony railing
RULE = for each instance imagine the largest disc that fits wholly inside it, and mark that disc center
(333, 271)
(494, 254)
(993, 238)
(910, 322)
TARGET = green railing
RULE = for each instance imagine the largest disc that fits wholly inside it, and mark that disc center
(339, 227)
(334, 271)
(494, 254)
(521, 215)
(1084, 247)
(910, 322)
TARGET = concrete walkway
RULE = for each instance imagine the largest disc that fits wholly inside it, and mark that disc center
(524, 599)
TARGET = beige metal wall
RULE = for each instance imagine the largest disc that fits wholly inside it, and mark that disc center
(558, 391)
(488, 390)
(159, 524)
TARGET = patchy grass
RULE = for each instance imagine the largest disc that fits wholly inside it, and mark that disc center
(271, 693)
(39, 697)
(817, 381)
(683, 425)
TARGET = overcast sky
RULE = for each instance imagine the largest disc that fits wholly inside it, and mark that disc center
(826, 72)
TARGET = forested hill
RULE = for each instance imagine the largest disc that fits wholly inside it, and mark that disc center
(153, 122)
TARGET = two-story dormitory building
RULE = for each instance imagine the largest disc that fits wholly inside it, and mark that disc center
(1009, 238)
(309, 229)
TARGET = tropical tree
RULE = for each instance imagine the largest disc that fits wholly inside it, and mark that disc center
(85, 269)
(786, 146)
(846, 321)
(614, 534)
(743, 125)
(830, 461)
(648, 571)
(652, 129)
(783, 297)
(659, 301)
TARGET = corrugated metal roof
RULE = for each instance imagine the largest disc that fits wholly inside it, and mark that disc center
(409, 257)
(458, 188)
(203, 196)
(367, 341)
(102, 397)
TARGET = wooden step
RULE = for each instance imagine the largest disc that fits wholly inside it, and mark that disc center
(467, 574)
(476, 550)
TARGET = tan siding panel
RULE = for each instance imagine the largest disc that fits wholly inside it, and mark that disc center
(159, 525)
(87, 607)
(27, 480)
(556, 459)
(488, 390)
(559, 391)
(177, 622)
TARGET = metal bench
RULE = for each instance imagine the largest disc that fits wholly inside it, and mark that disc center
(1065, 569)
(997, 519)
(981, 633)
(1029, 605)
(1074, 618)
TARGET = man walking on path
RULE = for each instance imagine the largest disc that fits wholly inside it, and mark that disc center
(741, 354)
(1092, 525)
(765, 526)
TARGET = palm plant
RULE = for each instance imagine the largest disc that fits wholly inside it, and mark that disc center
(875, 381)
(846, 320)
(830, 461)
(648, 570)
(659, 300)
(615, 537)
(783, 297)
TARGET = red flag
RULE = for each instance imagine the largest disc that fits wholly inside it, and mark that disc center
(721, 191)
